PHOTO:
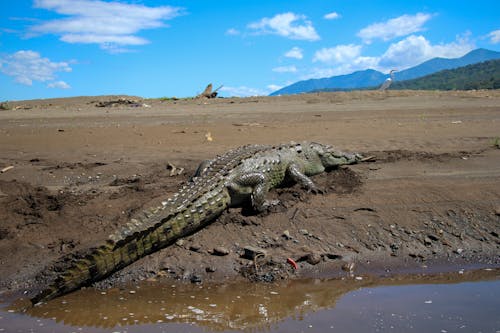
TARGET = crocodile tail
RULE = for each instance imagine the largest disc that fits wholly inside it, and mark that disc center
(100, 263)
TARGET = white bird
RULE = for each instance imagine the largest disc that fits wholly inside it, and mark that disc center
(388, 81)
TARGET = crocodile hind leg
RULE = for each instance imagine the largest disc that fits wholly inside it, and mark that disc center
(255, 185)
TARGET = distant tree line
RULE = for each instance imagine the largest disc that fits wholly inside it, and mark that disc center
(483, 75)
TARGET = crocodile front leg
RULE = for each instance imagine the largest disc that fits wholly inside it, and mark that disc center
(297, 175)
(253, 184)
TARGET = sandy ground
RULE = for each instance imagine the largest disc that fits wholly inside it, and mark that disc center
(429, 202)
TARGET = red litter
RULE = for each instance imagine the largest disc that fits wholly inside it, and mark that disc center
(293, 263)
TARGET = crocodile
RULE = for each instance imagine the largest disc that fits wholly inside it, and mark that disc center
(241, 176)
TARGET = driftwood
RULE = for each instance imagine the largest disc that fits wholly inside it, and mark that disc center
(208, 93)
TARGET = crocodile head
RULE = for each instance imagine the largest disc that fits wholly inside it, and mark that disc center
(331, 157)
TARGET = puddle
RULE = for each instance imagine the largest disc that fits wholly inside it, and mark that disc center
(459, 302)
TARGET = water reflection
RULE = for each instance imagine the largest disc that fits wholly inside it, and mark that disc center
(234, 306)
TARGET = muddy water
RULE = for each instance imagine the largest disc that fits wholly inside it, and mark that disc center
(458, 302)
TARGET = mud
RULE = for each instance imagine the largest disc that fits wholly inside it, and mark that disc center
(428, 201)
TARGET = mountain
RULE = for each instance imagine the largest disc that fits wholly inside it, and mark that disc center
(372, 78)
(439, 64)
(483, 75)
(368, 77)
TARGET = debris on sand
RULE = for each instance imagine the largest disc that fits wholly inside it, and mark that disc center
(174, 171)
(10, 167)
(208, 93)
(121, 101)
(252, 252)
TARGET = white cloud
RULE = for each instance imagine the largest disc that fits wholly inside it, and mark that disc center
(337, 54)
(396, 27)
(243, 91)
(288, 25)
(103, 23)
(332, 16)
(27, 66)
(285, 69)
(494, 36)
(274, 87)
(406, 53)
(59, 84)
(414, 50)
(295, 52)
(232, 32)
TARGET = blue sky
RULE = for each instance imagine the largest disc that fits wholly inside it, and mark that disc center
(58, 48)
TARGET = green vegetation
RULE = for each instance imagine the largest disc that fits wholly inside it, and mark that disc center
(483, 75)
(496, 142)
(4, 106)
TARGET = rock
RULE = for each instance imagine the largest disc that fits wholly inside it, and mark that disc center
(194, 278)
(313, 258)
(251, 252)
(180, 242)
(458, 251)
(348, 267)
(497, 211)
(195, 247)
(427, 241)
(304, 232)
(220, 251)
(210, 269)
(286, 234)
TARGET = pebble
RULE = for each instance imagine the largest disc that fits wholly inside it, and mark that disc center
(220, 251)
(195, 278)
(286, 234)
(313, 258)
(195, 247)
(348, 267)
(210, 269)
(180, 242)
(497, 211)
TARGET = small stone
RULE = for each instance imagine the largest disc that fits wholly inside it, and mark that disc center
(220, 251)
(313, 258)
(195, 278)
(210, 269)
(497, 211)
(459, 251)
(251, 252)
(180, 242)
(286, 234)
(427, 241)
(195, 247)
(304, 232)
(348, 267)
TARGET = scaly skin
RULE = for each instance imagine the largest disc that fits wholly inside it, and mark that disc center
(243, 174)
